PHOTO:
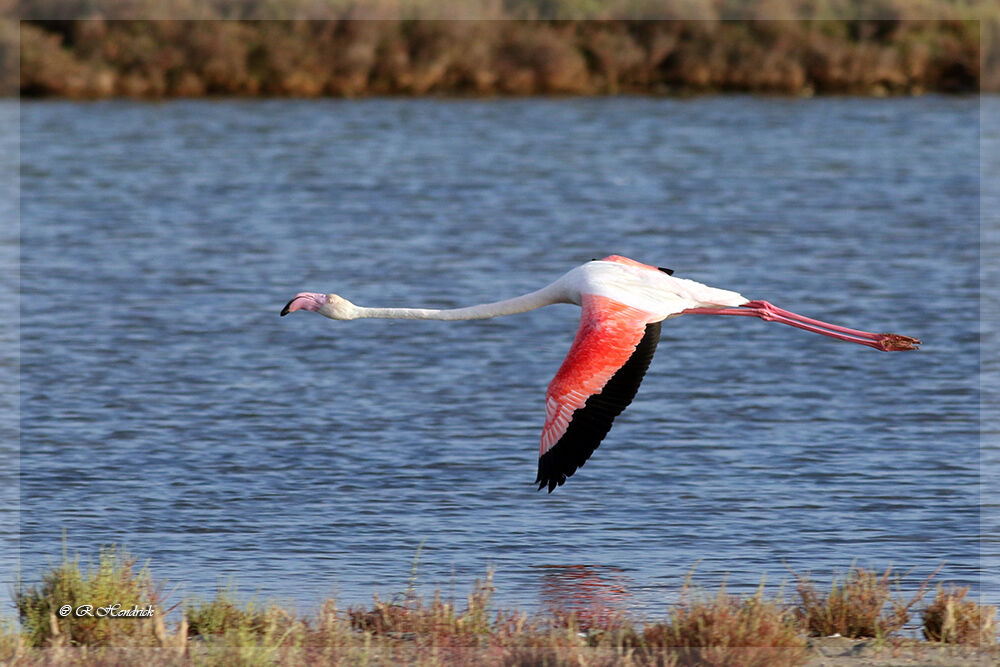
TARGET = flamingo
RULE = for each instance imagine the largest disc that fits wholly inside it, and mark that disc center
(623, 304)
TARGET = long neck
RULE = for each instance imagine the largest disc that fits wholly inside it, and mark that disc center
(520, 304)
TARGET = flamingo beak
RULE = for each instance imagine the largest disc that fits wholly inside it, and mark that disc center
(304, 301)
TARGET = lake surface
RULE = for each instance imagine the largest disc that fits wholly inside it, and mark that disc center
(165, 406)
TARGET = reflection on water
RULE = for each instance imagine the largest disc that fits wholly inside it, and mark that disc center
(593, 594)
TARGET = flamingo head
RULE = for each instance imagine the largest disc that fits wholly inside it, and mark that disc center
(329, 305)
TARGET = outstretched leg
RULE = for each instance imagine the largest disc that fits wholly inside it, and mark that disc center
(769, 312)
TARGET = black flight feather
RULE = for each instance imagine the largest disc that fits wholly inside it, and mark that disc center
(592, 422)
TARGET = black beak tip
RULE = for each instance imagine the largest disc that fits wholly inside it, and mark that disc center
(285, 311)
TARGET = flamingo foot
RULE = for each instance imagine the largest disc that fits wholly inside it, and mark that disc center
(895, 342)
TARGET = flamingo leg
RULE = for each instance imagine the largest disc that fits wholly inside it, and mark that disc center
(769, 312)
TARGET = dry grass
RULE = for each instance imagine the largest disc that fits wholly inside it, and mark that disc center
(952, 619)
(720, 629)
(856, 605)
(226, 632)
(11, 641)
(730, 630)
(437, 619)
(113, 580)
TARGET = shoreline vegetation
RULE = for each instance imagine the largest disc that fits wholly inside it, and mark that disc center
(855, 621)
(505, 56)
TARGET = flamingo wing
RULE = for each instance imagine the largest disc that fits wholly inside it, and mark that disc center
(598, 379)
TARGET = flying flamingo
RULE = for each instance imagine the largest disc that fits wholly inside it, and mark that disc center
(623, 304)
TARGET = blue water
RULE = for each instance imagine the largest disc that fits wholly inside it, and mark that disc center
(165, 406)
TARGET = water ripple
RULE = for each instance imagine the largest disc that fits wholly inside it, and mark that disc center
(166, 406)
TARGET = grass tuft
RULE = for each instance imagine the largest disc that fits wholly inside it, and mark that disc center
(730, 630)
(223, 615)
(855, 606)
(250, 634)
(114, 580)
(952, 619)
(438, 622)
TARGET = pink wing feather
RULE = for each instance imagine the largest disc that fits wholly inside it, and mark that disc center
(597, 380)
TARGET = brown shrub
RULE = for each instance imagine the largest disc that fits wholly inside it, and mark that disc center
(9, 56)
(437, 623)
(96, 57)
(855, 606)
(47, 68)
(433, 48)
(354, 46)
(954, 620)
(541, 59)
(217, 52)
(615, 58)
(729, 630)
